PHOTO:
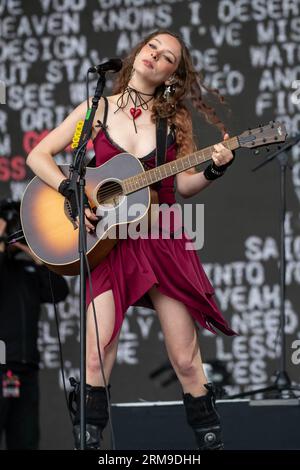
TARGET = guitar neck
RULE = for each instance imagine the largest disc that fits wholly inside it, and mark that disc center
(134, 183)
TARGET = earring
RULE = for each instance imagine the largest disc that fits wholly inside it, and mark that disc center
(170, 89)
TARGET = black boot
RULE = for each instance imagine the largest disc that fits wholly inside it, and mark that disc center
(204, 419)
(96, 413)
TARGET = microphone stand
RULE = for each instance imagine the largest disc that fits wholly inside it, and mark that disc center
(282, 384)
(77, 176)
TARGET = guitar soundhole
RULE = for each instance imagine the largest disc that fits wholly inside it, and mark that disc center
(110, 194)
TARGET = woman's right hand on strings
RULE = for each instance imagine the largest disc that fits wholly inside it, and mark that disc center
(89, 220)
(66, 189)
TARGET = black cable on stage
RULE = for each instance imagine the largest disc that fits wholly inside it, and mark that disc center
(87, 90)
(59, 344)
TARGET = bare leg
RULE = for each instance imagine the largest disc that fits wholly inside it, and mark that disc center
(96, 397)
(105, 313)
(182, 345)
(181, 342)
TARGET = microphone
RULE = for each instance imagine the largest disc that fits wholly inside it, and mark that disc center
(112, 65)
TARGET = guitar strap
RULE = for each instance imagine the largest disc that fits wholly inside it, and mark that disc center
(161, 144)
(161, 141)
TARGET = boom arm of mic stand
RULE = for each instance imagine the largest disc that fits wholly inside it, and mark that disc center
(286, 146)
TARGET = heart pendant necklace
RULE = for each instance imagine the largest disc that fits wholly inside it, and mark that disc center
(139, 103)
(135, 112)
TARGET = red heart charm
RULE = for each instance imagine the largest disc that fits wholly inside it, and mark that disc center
(135, 112)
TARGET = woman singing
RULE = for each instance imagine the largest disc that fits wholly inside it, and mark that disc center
(157, 80)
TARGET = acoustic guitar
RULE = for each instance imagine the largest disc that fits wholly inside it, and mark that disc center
(115, 189)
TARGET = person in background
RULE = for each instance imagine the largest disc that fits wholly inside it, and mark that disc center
(24, 287)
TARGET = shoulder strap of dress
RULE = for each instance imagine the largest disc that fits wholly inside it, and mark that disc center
(92, 160)
(103, 124)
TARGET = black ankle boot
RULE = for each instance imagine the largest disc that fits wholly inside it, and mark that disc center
(96, 413)
(204, 419)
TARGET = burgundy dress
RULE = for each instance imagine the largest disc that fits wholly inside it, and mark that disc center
(133, 266)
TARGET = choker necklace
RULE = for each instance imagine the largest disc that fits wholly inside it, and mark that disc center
(139, 103)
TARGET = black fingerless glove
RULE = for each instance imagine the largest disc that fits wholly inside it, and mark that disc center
(69, 193)
(213, 171)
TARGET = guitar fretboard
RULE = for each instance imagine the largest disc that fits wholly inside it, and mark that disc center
(134, 183)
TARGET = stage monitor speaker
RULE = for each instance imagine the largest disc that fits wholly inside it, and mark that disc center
(246, 426)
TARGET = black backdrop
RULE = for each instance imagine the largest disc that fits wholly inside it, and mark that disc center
(250, 51)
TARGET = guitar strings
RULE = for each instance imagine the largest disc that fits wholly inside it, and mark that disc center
(204, 154)
(112, 191)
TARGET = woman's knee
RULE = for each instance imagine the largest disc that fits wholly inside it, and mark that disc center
(108, 352)
(93, 360)
(186, 365)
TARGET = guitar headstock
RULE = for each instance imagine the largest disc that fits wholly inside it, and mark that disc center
(274, 132)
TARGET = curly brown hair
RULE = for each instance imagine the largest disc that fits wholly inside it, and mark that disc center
(189, 86)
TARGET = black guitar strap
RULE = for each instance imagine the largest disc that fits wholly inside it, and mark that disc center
(161, 143)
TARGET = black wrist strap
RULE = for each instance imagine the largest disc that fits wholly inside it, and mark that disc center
(69, 194)
(212, 172)
(64, 187)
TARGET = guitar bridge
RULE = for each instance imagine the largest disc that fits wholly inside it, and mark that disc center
(68, 213)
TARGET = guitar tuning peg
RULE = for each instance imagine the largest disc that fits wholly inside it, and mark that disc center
(267, 149)
(256, 152)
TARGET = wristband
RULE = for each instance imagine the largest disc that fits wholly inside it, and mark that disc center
(64, 187)
(213, 171)
(67, 192)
